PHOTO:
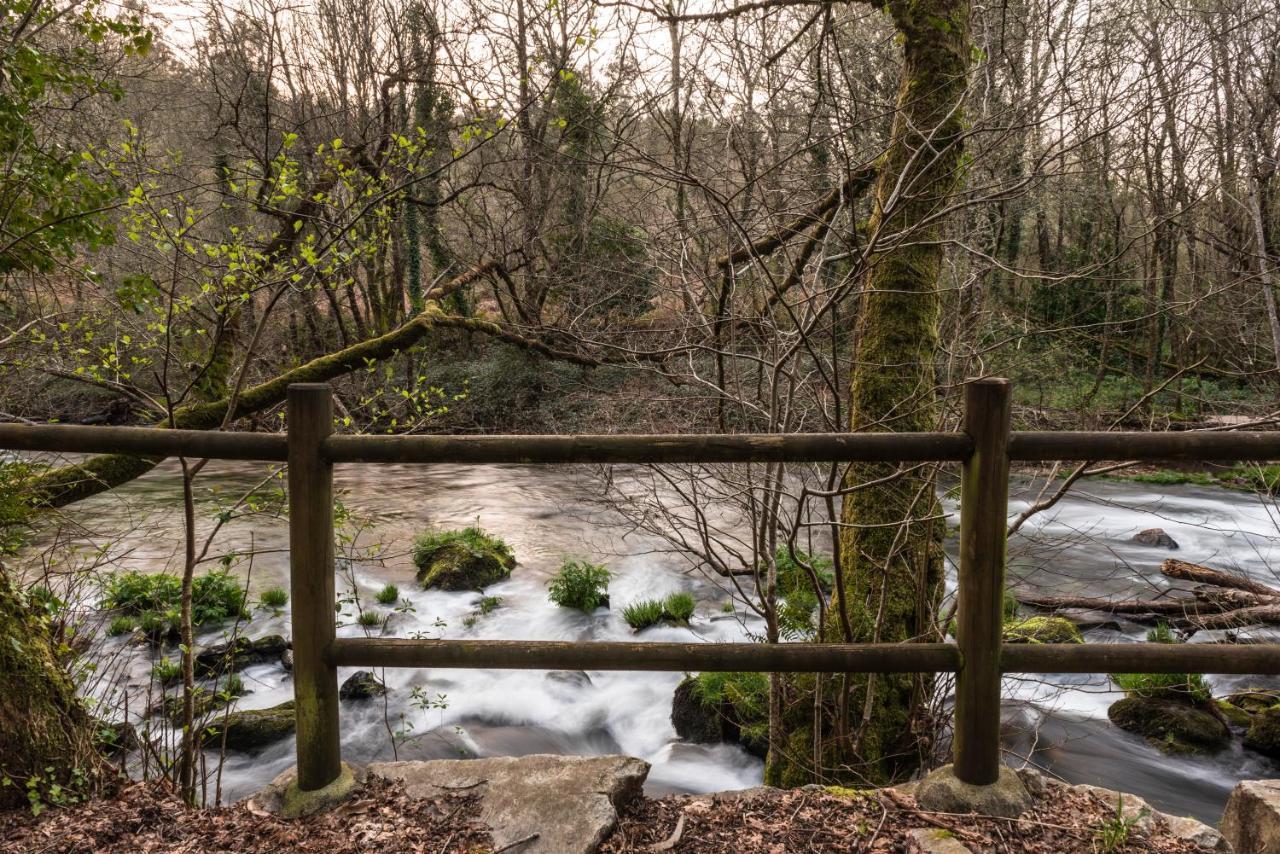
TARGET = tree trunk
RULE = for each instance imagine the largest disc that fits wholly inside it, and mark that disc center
(43, 725)
(891, 565)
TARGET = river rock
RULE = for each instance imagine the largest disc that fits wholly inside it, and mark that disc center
(571, 678)
(1254, 702)
(1172, 726)
(570, 802)
(1251, 822)
(361, 685)
(1156, 538)
(1042, 630)
(1264, 733)
(240, 653)
(253, 729)
(692, 720)
(454, 565)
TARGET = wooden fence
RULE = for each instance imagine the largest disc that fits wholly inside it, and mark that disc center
(985, 447)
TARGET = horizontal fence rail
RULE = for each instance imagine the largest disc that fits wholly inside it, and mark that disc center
(985, 447)
(656, 449)
(1262, 659)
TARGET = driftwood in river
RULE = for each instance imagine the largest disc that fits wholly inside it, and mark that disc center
(1221, 600)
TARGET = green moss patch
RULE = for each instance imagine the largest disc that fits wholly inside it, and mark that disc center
(1042, 630)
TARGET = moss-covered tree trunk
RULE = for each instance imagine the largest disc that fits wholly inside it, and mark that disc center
(46, 736)
(890, 575)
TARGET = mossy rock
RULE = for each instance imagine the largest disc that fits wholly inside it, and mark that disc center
(1254, 702)
(252, 730)
(461, 560)
(694, 721)
(1172, 726)
(704, 712)
(1264, 734)
(1042, 630)
(1235, 715)
(241, 653)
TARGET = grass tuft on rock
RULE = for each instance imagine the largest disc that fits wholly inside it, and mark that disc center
(275, 597)
(643, 614)
(388, 595)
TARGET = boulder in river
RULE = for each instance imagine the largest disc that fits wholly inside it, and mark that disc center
(361, 685)
(240, 653)
(253, 729)
(1042, 630)
(572, 678)
(1156, 538)
(703, 720)
(461, 560)
(1171, 725)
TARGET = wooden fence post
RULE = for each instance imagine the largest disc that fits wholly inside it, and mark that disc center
(311, 569)
(984, 510)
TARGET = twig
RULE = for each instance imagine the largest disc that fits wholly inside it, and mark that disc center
(518, 842)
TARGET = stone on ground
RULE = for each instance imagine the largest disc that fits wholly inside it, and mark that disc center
(1252, 819)
(942, 791)
(570, 802)
(283, 797)
(933, 840)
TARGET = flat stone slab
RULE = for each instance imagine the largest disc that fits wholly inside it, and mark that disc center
(559, 804)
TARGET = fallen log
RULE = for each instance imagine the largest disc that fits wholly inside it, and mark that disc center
(1170, 607)
(1180, 569)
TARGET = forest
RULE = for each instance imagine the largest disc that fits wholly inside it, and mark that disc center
(583, 217)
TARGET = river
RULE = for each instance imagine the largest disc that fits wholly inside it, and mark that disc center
(1080, 546)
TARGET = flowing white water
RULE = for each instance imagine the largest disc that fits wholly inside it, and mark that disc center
(1080, 547)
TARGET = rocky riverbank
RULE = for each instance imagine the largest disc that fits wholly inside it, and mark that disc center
(577, 805)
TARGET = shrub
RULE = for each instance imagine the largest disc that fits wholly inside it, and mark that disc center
(369, 618)
(489, 604)
(580, 585)
(121, 625)
(679, 607)
(154, 598)
(138, 592)
(643, 614)
(388, 595)
(275, 597)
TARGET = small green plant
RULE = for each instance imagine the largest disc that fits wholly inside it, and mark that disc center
(679, 607)
(643, 614)
(1113, 834)
(369, 618)
(727, 607)
(580, 585)
(121, 625)
(166, 670)
(388, 595)
(275, 597)
(489, 604)
(232, 686)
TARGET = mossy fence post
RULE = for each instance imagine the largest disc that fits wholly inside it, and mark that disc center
(311, 569)
(984, 506)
